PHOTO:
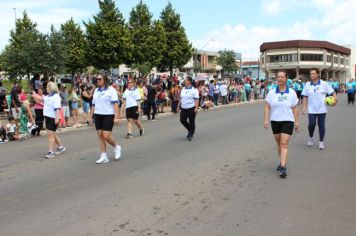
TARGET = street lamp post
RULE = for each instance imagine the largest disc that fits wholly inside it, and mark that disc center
(196, 55)
(15, 13)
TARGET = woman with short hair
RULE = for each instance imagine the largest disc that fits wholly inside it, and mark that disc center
(51, 112)
(282, 110)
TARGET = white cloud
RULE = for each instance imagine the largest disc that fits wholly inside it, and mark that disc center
(246, 40)
(43, 12)
(277, 7)
(333, 21)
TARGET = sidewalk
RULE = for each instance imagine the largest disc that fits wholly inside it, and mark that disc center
(167, 112)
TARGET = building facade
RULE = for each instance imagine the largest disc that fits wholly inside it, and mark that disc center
(202, 62)
(299, 56)
(252, 69)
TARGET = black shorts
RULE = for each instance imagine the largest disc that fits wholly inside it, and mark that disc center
(282, 127)
(299, 94)
(104, 122)
(132, 113)
(51, 124)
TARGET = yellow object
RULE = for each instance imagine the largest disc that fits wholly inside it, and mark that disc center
(329, 100)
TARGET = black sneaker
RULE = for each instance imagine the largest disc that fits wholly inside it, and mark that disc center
(278, 167)
(142, 131)
(190, 137)
(128, 136)
(283, 172)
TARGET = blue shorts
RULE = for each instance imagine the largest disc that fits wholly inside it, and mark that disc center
(86, 107)
(74, 105)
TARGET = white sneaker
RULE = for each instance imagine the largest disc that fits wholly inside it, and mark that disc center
(117, 152)
(103, 159)
(321, 146)
(310, 142)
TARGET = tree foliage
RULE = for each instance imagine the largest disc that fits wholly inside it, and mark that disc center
(145, 43)
(178, 50)
(227, 60)
(26, 52)
(107, 37)
(57, 56)
(74, 46)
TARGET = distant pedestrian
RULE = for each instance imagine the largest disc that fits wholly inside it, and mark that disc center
(189, 104)
(351, 89)
(132, 107)
(151, 102)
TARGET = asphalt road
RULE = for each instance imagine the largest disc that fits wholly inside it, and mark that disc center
(222, 183)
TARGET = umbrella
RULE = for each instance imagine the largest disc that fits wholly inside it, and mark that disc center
(200, 78)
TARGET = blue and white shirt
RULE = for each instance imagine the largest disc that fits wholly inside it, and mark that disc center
(281, 104)
(132, 97)
(104, 101)
(188, 96)
(51, 103)
(316, 94)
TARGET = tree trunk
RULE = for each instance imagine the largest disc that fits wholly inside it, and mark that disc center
(171, 71)
(72, 81)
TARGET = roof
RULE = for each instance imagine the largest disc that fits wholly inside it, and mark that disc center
(305, 44)
(250, 63)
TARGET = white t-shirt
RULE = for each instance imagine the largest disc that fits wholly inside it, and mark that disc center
(281, 104)
(104, 101)
(132, 97)
(223, 90)
(51, 103)
(316, 94)
(188, 97)
(11, 128)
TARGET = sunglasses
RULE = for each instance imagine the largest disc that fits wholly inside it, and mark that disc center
(99, 78)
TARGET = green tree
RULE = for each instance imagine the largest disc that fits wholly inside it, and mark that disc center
(56, 52)
(25, 53)
(145, 50)
(227, 60)
(74, 47)
(178, 49)
(107, 37)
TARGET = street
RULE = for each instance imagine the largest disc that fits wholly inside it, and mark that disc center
(223, 183)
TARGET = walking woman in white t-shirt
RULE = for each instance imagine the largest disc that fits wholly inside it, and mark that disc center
(282, 110)
(105, 108)
(132, 107)
(51, 112)
(314, 94)
(189, 104)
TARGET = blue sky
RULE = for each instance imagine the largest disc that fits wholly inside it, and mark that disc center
(238, 25)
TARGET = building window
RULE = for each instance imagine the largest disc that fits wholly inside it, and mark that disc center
(347, 62)
(312, 57)
(282, 58)
(342, 61)
(336, 60)
(328, 59)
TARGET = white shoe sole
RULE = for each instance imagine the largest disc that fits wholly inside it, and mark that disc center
(59, 153)
(102, 162)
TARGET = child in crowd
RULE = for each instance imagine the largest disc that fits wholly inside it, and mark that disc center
(3, 138)
(207, 105)
(12, 131)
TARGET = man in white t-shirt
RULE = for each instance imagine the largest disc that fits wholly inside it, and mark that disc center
(314, 94)
(223, 93)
